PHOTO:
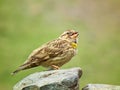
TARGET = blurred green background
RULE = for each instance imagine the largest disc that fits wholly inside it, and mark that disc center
(27, 24)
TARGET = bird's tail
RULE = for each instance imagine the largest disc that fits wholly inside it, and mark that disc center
(16, 71)
(22, 67)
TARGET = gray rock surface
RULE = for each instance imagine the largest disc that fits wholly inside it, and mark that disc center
(67, 79)
(101, 87)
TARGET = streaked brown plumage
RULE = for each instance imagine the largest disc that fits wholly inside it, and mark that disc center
(54, 53)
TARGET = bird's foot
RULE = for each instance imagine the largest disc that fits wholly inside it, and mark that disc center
(55, 67)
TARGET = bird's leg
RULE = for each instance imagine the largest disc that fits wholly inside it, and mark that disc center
(55, 67)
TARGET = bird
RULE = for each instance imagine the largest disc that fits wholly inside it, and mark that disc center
(53, 54)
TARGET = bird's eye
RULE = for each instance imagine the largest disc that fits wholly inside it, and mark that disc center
(69, 33)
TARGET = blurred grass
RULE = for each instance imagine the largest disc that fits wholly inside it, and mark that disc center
(25, 25)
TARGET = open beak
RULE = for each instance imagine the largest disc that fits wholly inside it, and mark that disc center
(75, 35)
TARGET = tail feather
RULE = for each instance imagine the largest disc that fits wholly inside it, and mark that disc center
(24, 66)
(16, 71)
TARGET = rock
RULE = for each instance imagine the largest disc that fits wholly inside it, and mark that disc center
(101, 87)
(67, 79)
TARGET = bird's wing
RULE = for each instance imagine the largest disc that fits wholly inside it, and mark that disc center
(48, 51)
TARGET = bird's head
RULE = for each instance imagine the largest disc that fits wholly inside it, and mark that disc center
(70, 35)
